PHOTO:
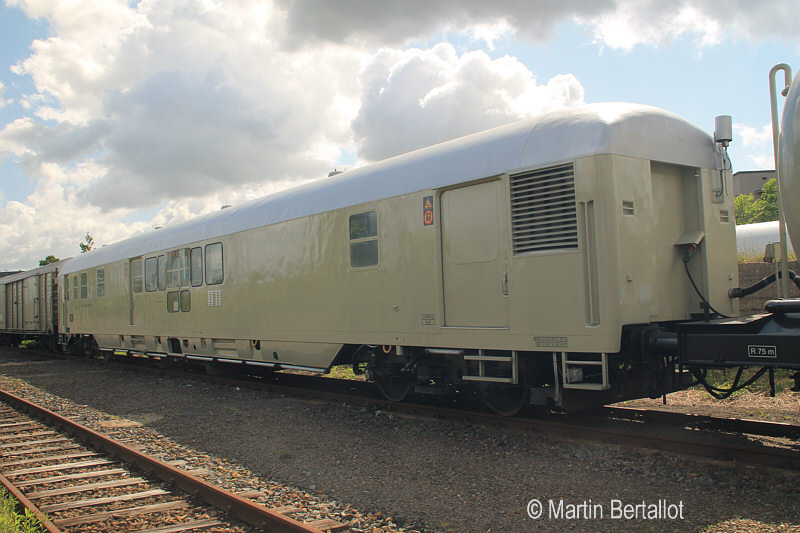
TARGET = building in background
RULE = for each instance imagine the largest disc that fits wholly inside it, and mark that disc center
(751, 181)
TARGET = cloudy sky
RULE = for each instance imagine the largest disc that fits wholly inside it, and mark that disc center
(116, 117)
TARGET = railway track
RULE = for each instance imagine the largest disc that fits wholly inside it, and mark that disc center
(599, 425)
(77, 480)
(730, 425)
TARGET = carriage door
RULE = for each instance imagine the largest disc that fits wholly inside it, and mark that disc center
(474, 256)
(136, 290)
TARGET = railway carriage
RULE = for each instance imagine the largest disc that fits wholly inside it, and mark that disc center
(29, 304)
(581, 257)
(527, 258)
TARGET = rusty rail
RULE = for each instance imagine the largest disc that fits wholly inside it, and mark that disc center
(733, 425)
(764, 455)
(243, 508)
(29, 505)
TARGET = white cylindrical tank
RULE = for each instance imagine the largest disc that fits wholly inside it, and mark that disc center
(752, 238)
(789, 161)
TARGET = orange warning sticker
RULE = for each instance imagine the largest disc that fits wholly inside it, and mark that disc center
(427, 210)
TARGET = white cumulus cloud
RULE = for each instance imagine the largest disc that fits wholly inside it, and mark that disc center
(414, 98)
(616, 23)
(178, 106)
(3, 101)
(756, 144)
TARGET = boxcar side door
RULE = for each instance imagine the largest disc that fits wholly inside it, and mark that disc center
(475, 256)
(136, 289)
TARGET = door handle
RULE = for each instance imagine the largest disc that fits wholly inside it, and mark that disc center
(504, 284)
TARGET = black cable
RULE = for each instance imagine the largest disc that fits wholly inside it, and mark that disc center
(697, 290)
(740, 292)
(722, 394)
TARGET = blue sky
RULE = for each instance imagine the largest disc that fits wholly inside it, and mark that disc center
(118, 117)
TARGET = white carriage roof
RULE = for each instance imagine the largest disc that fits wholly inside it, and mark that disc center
(51, 267)
(560, 136)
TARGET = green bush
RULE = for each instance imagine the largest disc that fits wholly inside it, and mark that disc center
(12, 521)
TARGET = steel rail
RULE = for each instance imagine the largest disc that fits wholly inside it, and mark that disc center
(735, 425)
(243, 508)
(29, 505)
(764, 455)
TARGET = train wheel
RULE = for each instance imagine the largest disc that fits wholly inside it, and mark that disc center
(394, 389)
(506, 400)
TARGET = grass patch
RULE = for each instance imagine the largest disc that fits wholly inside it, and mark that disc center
(723, 378)
(344, 372)
(12, 521)
(753, 257)
(29, 344)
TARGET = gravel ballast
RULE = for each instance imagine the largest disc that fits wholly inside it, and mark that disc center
(380, 469)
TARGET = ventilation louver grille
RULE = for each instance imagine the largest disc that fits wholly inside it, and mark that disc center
(543, 213)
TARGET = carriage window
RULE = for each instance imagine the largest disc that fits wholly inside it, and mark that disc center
(178, 268)
(363, 239)
(137, 276)
(179, 301)
(214, 271)
(75, 287)
(197, 266)
(66, 288)
(173, 302)
(151, 274)
(84, 288)
(173, 266)
(162, 272)
(185, 277)
(364, 254)
(101, 282)
(363, 225)
(186, 301)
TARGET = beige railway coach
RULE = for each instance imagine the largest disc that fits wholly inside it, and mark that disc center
(540, 241)
(29, 302)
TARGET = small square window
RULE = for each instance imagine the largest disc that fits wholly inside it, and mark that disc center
(363, 225)
(364, 254)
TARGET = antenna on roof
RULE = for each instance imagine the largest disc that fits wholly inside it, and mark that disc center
(334, 172)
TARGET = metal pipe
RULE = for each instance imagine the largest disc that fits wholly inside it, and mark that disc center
(259, 363)
(773, 97)
(305, 368)
(444, 351)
